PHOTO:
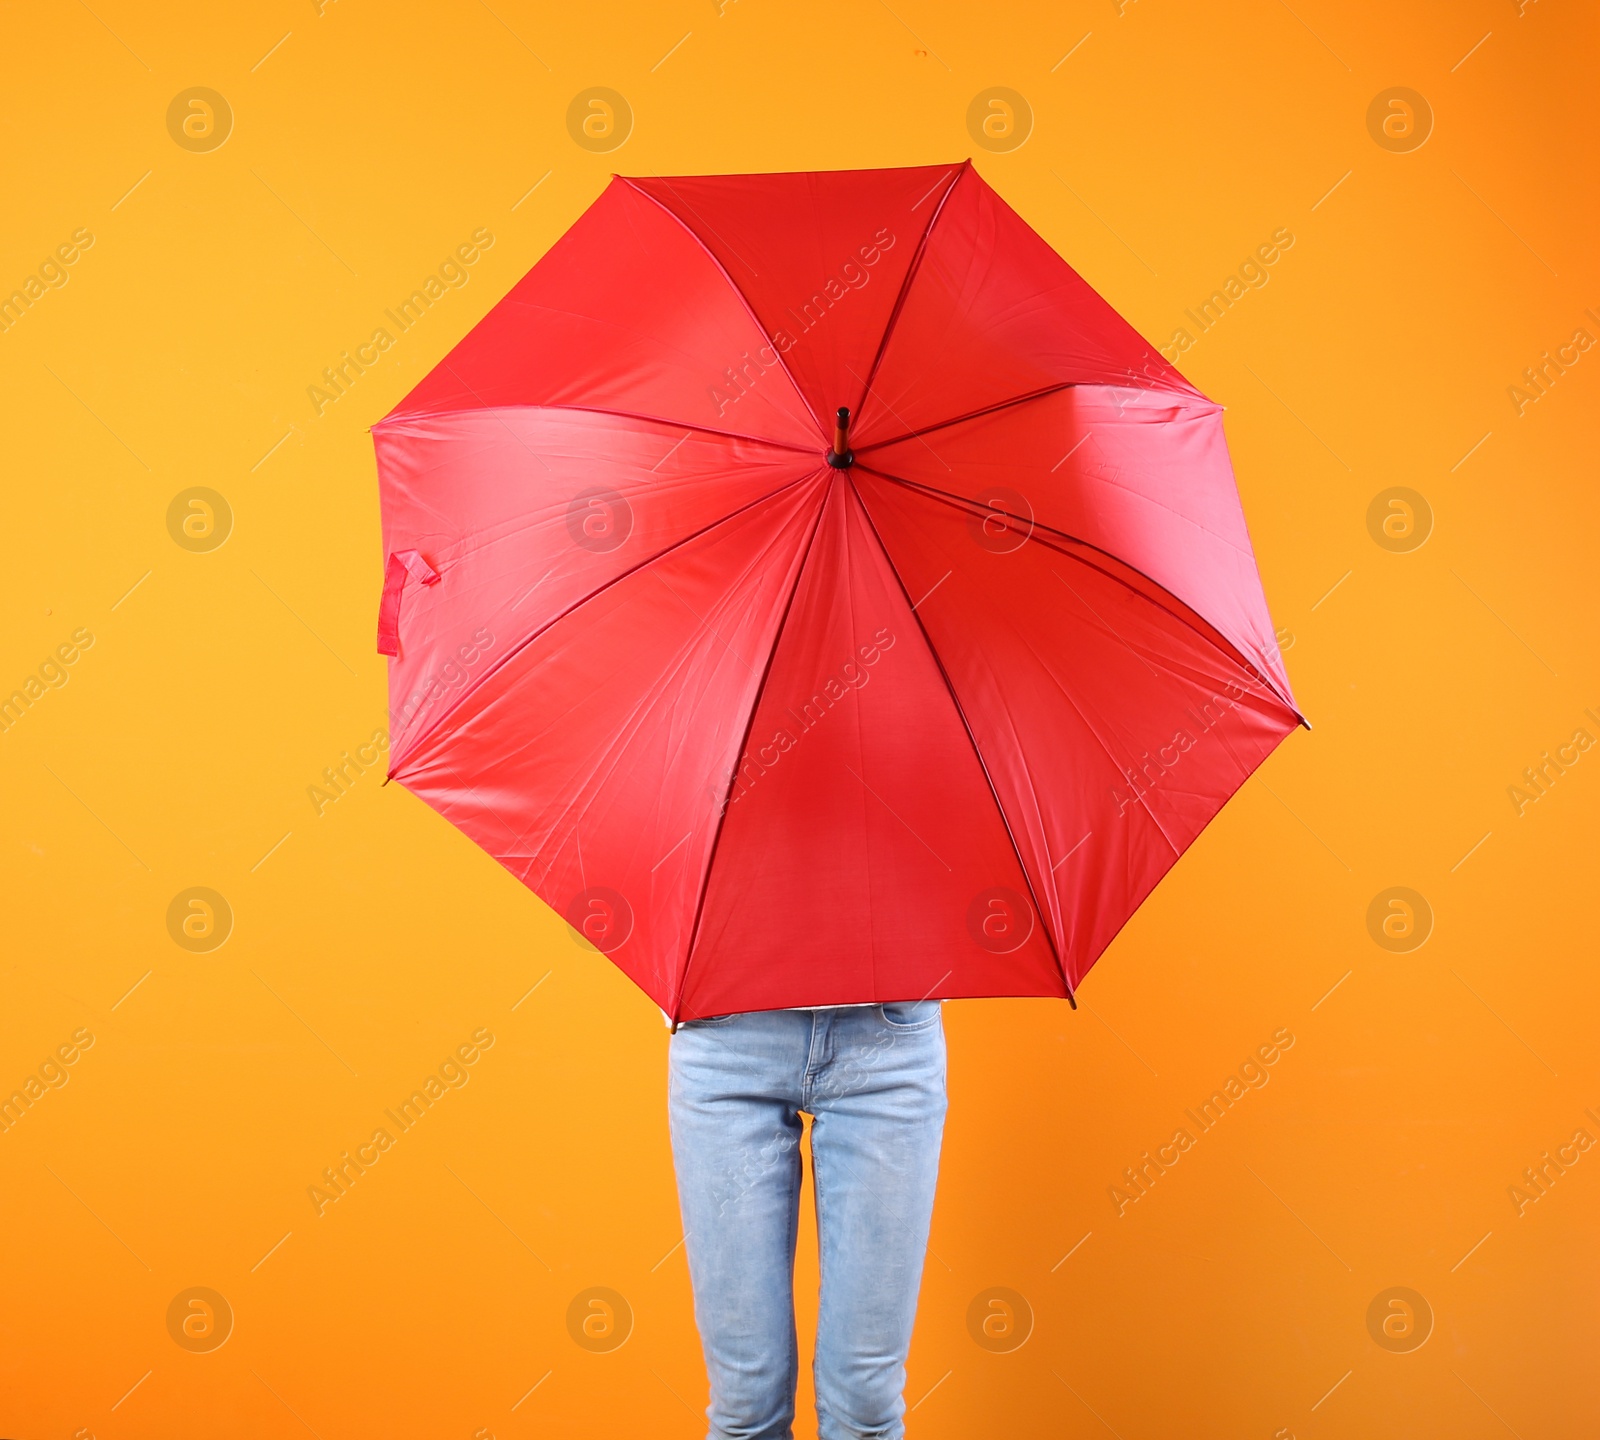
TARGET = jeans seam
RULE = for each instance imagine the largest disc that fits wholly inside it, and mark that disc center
(822, 1263)
(808, 1079)
(792, 1364)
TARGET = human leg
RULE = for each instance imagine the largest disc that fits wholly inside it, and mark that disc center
(734, 1096)
(879, 1104)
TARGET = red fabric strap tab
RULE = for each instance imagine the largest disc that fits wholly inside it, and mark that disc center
(401, 562)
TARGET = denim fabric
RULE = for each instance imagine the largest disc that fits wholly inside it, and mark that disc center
(873, 1079)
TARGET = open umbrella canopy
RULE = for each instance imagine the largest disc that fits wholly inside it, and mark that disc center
(779, 707)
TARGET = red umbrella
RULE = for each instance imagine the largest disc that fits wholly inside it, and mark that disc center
(818, 594)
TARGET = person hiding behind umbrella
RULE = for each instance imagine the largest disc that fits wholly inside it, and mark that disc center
(872, 1078)
(856, 728)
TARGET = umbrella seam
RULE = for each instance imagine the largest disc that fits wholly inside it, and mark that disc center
(450, 548)
(604, 759)
(1117, 314)
(861, 756)
(1039, 394)
(1172, 666)
(1227, 647)
(917, 434)
(905, 285)
(1038, 809)
(734, 286)
(1139, 495)
(972, 739)
(722, 817)
(393, 420)
(533, 635)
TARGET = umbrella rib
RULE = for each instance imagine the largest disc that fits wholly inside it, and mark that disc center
(733, 774)
(905, 285)
(918, 433)
(1038, 394)
(597, 410)
(1185, 614)
(972, 740)
(733, 285)
(578, 604)
(1088, 724)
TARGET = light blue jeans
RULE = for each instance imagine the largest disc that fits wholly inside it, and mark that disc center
(873, 1079)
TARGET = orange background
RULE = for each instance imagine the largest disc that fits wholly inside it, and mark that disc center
(1232, 1298)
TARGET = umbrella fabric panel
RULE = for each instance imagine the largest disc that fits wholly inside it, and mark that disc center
(1112, 728)
(1142, 474)
(524, 512)
(993, 313)
(821, 259)
(863, 848)
(627, 312)
(592, 763)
